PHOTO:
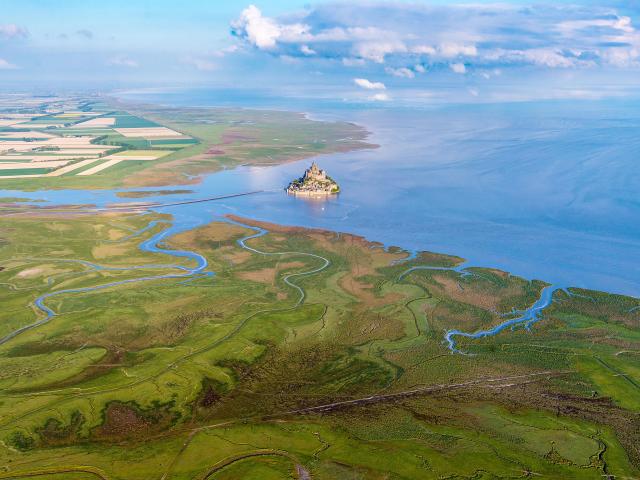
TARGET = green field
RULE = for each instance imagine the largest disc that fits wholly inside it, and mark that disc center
(126, 120)
(29, 138)
(239, 376)
(24, 171)
(185, 141)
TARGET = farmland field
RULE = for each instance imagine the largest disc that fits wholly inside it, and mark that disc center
(23, 171)
(189, 142)
(125, 120)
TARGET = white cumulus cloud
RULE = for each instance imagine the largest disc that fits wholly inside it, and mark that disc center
(376, 51)
(306, 50)
(380, 97)
(423, 50)
(402, 72)
(458, 68)
(451, 50)
(265, 32)
(369, 85)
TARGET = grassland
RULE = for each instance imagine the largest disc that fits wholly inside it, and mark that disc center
(326, 362)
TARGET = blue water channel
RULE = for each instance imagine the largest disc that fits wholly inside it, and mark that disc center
(525, 318)
(153, 245)
(183, 221)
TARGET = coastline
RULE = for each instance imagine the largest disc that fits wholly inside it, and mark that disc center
(564, 254)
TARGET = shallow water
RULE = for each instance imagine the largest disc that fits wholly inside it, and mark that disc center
(525, 318)
(542, 190)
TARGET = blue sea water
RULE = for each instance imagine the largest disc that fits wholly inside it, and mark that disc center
(546, 190)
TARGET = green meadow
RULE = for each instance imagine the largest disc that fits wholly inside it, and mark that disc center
(240, 375)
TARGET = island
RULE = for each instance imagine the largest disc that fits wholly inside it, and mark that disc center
(314, 182)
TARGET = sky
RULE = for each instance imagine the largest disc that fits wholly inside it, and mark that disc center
(377, 51)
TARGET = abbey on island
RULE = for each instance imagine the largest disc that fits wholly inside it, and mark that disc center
(314, 182)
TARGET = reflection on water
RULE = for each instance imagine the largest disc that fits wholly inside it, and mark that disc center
(543, 190)
(316, 206)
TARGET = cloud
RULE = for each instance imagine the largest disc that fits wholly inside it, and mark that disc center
(88, 34)
(11, 30)
(402, 72)
(570, 27)
(544, 57)
(380, 97)
(260, 31)
(306, 50)
(368, 85)
(264, 32)
(122, 61)
(376, 51)
(452, 50)
(458, 68)
(483, 36)
(423, 50)
(4, 65)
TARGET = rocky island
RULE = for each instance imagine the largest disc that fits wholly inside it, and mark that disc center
(314, 182)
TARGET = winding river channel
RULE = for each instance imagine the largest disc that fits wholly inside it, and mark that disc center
(150, 245)
(524, 318)
(186, 217)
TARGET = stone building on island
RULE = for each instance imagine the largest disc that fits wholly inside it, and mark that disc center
(314, 173)
(315, 181)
